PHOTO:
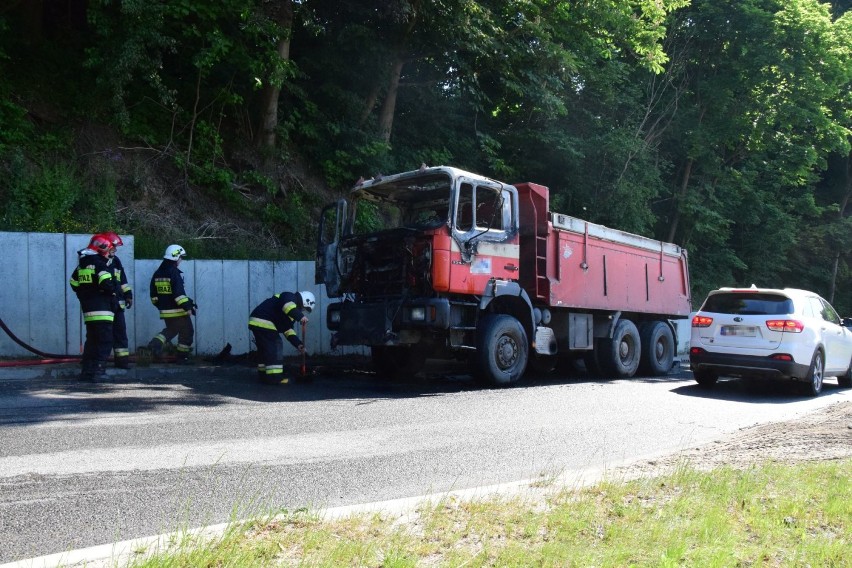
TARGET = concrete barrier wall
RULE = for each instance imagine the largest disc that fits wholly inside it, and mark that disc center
(38, 306)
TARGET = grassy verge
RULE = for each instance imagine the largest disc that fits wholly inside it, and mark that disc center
(770, 515)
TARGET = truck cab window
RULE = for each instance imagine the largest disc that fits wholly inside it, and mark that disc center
(489, 209)
(479, 207)
(464, 215)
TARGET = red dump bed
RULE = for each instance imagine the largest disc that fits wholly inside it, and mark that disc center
(568, 262)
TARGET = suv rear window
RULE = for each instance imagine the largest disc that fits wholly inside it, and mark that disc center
(748, 304)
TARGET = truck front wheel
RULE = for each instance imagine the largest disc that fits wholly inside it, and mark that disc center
(501, 349)
(620, 355)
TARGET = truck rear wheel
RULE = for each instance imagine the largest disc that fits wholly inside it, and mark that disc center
(396, 362)
(501, 349)
(657, 348)
(620, 355)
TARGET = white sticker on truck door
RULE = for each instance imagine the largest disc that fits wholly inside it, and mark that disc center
(481, 265)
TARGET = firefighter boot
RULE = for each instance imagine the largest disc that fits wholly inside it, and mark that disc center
(122, 362)
(156, 347)
(274, 379)
(182, 358)
(99, 372)
(86, 370)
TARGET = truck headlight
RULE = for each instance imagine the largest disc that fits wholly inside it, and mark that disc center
(418, 314)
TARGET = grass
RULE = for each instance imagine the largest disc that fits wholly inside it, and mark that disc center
(768, 515)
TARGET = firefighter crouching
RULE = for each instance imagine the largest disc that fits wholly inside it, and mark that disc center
(275, 315)
(94, 285)
(169, 296)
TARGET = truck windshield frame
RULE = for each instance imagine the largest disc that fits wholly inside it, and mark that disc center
(407, 203)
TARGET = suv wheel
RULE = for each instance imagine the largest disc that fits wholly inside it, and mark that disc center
(705, 378)
(845, 380)
(813, 386)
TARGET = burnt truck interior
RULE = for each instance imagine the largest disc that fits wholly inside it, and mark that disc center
(378, 244)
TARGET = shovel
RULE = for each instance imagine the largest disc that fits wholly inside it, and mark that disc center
(304, 370)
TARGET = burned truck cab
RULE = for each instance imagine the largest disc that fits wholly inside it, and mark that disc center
(410, 255)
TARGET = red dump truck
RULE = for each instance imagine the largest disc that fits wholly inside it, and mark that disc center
(443, 263)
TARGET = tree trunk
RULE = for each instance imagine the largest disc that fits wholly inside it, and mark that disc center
(389, 104)
(684, 187)
(282, 14)
(370, 104)
(843, 204)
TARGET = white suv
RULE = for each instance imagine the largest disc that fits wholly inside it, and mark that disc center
(763, 332)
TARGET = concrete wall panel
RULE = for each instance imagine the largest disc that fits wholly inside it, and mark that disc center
(46, 267)
(14, 293)
(235, 305)
(210, 328)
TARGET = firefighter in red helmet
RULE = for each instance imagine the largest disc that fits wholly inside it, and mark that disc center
(94, 285)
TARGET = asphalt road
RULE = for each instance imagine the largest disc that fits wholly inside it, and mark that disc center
(154, 450)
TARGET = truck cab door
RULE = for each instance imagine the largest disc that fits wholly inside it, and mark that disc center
(332, 220)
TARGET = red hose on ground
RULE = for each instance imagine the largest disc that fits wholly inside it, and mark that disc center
(47, 358)
(31, 362)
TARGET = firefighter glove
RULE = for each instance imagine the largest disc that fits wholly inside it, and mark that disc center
(128, 301)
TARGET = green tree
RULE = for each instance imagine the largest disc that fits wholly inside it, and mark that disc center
(751, 133)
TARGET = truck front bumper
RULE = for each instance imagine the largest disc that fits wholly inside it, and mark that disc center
(387, 322)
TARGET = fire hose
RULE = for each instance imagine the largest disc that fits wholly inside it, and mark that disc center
(49, 357)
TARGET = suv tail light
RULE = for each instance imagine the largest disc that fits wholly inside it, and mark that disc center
(701, 321)
(791, 326)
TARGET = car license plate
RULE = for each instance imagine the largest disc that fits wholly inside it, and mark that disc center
(738, 330)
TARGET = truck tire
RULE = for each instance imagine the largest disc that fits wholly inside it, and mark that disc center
(501, 349)
(620, 355)
(397, 362)
(657, 348)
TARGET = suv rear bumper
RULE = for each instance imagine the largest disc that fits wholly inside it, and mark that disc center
(748, 366)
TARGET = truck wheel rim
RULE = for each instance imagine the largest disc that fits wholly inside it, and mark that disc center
(507, 352)
(624, 349)
(660, 350)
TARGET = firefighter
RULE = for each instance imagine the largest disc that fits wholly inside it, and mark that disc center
(94, 285)
(275, 315)
(121, 352)
(169, 296)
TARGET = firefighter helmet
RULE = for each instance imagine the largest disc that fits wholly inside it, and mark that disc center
(308, 301)
(114, 239)
(100, 244)
(174, 252)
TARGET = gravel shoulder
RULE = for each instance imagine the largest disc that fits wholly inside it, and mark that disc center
(824, 435)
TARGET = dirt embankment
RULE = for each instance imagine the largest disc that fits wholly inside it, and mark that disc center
(823, 435)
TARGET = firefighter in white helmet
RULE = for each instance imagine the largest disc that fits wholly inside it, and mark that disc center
(275, 315)
(169, 296)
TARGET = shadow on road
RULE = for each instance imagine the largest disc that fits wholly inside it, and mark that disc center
(755, 391)
(60, 396)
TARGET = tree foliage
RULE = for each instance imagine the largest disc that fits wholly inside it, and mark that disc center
(721, 126)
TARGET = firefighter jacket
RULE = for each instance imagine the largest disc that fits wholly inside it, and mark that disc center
(125, 292)
(279, 313)
(95, 287)
(168, 293)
